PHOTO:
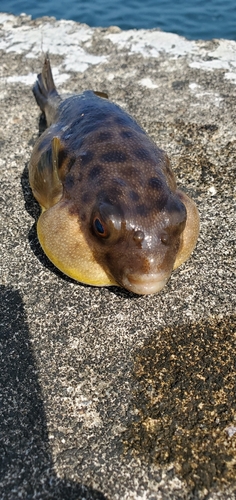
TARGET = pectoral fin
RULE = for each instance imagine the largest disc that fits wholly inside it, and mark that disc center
(43, 173)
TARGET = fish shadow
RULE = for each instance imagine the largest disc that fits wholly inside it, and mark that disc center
(26, 467)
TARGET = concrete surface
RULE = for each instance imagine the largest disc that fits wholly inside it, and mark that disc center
(104, 394)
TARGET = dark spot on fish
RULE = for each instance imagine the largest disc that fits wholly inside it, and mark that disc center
(115, 156)
(71, 163)
(123, 120)
(86, 197)
(62, 155)
(95, 172)
(114, 193)
(104, 136)
(69, 181)
(134, 196)
(126, 134)
(103, 197)
(155, 183)
(86, 157)
(177, 210)
(161, 202)
(142, 210)
(142, 154)
(119, 181)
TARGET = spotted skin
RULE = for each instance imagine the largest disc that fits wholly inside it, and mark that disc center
(111, 210)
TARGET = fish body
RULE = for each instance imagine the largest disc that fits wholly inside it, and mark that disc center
(111, 210)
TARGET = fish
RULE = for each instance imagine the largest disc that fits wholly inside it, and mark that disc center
(111, 211)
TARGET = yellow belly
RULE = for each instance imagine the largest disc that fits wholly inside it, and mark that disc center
(65, 245)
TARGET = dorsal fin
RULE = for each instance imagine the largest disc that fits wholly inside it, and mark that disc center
(101, 94)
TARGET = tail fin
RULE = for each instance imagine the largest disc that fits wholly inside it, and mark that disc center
(45, 92)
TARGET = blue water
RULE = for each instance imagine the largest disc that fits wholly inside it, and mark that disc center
(193, 19)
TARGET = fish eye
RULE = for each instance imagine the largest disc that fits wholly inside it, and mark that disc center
(106, 222)
(99, 227)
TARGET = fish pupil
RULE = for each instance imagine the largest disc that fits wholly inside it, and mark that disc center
(98, 226)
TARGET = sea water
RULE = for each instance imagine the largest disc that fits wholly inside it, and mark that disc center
(194, 19)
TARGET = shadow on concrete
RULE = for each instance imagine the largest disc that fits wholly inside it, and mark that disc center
(184, 403)
(26, 469)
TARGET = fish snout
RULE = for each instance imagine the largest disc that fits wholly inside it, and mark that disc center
(146, 279)
(144, 284)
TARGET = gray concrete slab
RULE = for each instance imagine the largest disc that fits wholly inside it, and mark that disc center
(104, 394)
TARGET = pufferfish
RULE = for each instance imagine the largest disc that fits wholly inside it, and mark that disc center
(111, 211)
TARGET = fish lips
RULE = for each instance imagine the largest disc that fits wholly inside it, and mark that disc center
(145, 284)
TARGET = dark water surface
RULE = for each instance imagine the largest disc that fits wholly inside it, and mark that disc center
(193, 19)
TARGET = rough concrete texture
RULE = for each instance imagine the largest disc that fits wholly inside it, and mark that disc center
(104, 394)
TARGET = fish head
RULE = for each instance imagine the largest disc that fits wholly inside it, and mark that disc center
(137, 251)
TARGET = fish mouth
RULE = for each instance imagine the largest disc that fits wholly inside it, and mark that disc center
(145, 284)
